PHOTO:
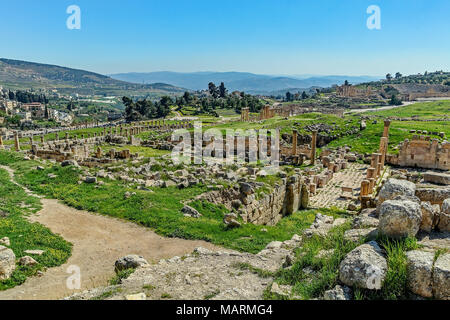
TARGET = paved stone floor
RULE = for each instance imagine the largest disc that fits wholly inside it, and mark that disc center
(331, 194)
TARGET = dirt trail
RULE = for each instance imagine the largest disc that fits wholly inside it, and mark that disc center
(98, 241)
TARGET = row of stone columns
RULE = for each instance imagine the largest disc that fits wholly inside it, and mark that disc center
(377, 163)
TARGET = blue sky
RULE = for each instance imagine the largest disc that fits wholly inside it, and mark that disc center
(260, 36)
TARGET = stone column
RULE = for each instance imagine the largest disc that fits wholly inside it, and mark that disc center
(42, 139)
(365, 188)
(294, 142)
(371, 173)
(16, 141)
(387, 123)
(313, 147)
(1, 143)
(383, 151)
(67, 136)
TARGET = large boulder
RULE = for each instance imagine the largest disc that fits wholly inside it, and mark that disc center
(420, 268)
(433, 195)
(441, 277)
(190, 212)
(437, 178)
(444, 216)
(7, 263)
(399, 218)
(364, 267)
(429, 216)
(132, 261)
(393, 188)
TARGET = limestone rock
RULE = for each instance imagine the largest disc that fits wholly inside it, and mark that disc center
(230, 221)
(5, 241)
(304, 200)
(67, 163)
(428, 217)
(338, 293)
(444, 216)
(399, 218)
(190, 212)
(395, 187)
(420, 267)
(90, 179)
(130, 262)
(365, 221)
(356, 235)
(27, 261)
(364, 267)
(441, 277)
(437, 178)
(7, 263)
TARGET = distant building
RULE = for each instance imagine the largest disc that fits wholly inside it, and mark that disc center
(61, 117)
(36, 109)
(8, 106)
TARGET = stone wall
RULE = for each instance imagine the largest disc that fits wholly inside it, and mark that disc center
(422, 152)
(263, 209)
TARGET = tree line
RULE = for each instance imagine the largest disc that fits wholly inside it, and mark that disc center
(26, 97)
(145, 109)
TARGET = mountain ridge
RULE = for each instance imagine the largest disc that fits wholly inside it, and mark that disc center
(240, 81)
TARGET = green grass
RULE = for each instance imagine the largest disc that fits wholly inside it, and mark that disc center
(159, 210)
(25, 235)
(124, 274)
(326, 269)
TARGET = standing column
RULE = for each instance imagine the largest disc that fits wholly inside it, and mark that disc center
(16, 141)
(383, 151)
(1, 143)
(313, 147)
(294, 142)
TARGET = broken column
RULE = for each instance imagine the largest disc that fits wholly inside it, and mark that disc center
(16, 141)
(313, 147)
(1, 143)
(294, 142)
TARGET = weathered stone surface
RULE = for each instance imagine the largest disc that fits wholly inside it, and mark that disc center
(444, 216)
(35, 252)
(90, 179)
(428, 217)
(356, 235)
(304, 200)
(433, 195)
(338, 293)
(364, 267)
(399, 218)
(420, 267)
(437, 178)
(365, 221)
(395, 187)
(5, 241)
(7, 263)
(190, 212)
(441, 277)
(27, 261)
(67, 163)
(130, 262)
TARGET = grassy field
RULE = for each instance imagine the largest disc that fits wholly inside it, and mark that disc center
(143, 151)
(159, 210)
(24, 235)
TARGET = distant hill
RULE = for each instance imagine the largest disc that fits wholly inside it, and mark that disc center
(16, 74)
(241, 81)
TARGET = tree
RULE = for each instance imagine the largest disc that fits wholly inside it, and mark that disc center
(395, 101)
(288, 96)
(346, 83)
(389, 77)
(213, 90)
(304, 95)
(222, 90)
(398, 75)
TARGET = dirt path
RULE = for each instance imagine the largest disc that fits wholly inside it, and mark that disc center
(98, 241)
